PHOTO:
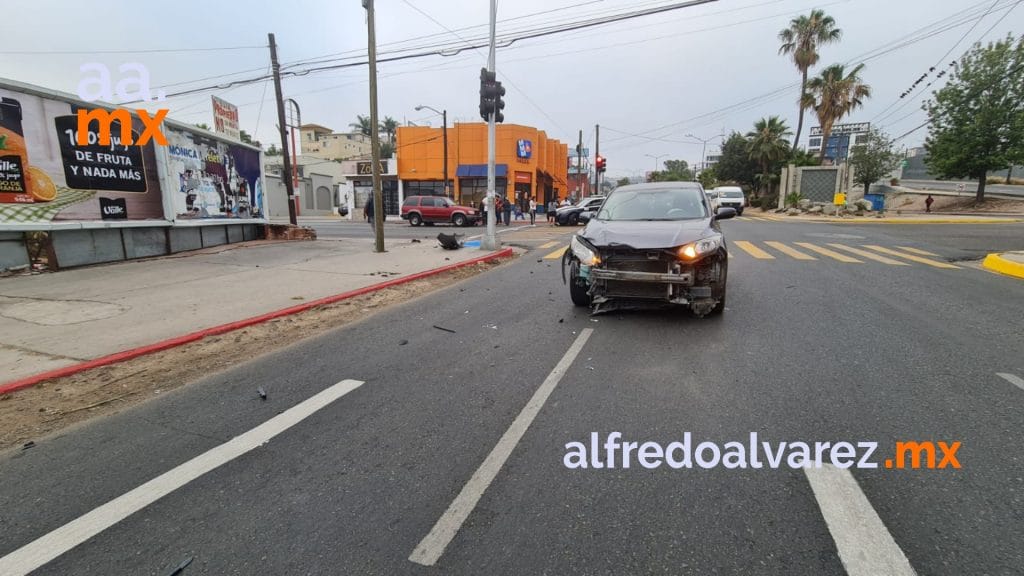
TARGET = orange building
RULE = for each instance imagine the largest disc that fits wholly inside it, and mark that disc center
(527, 163)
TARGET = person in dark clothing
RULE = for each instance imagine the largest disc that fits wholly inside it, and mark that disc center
(483, 211)
(928, 203)
(368, 213)
(506, 208)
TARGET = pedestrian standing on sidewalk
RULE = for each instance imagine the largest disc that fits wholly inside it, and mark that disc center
(483, 210)
(498, 203)
(368, 214)
(552, 208)
(928, 203)
(533, 211)
(519, 213)
(506, 207)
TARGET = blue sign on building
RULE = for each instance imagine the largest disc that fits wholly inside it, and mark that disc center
(524, 148)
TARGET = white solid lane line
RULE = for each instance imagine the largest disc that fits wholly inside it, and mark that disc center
(48, 547)
(1015, 380)
(433, 544)
(865, 546)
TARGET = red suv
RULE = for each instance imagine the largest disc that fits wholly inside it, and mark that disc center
(432, 209)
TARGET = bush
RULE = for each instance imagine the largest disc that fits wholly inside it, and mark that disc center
(793, 199)
(769, 202)
(754, 202)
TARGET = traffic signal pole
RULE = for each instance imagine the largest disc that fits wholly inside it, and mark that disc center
(490, 239)
(597, 154)
(579, 165)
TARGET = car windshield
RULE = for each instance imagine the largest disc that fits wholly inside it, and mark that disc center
(730, 194)
(654, 204)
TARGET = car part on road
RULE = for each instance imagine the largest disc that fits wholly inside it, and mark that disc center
(451, 241)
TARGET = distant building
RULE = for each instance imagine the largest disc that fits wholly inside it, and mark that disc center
(840, 141)
(322, 142)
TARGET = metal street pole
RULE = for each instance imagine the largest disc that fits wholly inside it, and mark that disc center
(579, 165)
(490, 239)
(276, 66)
(295, 157)
(444, 135)
(597, 152)
(378, 197)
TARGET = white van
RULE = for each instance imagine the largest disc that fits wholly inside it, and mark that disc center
(730, 196)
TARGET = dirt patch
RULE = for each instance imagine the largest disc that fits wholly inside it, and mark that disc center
(56, 404)
(958, 204)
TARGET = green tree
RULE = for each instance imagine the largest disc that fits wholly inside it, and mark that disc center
(244, 137)
(832, 95)
(707, 178)
(735, 164)
(873, 159)
(622, 181)
(387, 149)
(977, 118)
(675, 171)
(273, 151)
(768, 146)
(801, 41)
(362, 125)
(388, 126)
(801, 157)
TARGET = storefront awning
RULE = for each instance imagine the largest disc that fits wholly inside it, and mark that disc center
(480, 170)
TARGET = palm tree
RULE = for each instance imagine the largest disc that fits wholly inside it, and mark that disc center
(834, 94)
(768, 145)
(802, 39)
(362, 124)
(388, 126)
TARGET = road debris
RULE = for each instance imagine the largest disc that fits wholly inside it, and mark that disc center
(403, 342)
(180, 567)
(262, 393)
(444, 329)
(28, 445)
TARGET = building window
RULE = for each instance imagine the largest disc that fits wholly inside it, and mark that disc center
(425, 187)
(473, 190)
(814, 143)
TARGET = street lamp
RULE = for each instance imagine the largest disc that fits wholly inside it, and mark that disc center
(444, 136)
(656, 158)
(703, 149)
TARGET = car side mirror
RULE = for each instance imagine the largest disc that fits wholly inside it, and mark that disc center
(586, 216)
(724, 213)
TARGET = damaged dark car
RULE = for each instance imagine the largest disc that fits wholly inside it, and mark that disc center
(651, 245)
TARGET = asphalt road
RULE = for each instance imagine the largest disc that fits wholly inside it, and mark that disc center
(360, 229)
(969, 187)
(808, 349)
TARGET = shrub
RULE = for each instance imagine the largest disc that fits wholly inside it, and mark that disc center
(793, 199)
(769, 202)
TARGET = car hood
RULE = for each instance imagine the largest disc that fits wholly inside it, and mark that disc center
(644, 234)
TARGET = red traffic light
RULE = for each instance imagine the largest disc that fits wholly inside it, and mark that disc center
(600, 163)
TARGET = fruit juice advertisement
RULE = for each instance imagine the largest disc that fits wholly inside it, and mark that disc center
(46, 176)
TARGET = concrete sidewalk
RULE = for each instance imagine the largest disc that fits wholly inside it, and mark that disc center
(48, 321)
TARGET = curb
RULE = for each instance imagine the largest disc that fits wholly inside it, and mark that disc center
(997, 263)
(230, 326)
(912, 220)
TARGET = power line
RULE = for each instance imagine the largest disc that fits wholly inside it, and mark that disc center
(128, 51)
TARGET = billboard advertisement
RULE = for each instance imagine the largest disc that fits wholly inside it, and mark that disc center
(210, 178)
(225, 118)
(46, 176)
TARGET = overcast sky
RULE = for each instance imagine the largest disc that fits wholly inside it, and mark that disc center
(658, 77)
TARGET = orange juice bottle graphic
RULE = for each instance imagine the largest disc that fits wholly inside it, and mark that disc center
(14, 178)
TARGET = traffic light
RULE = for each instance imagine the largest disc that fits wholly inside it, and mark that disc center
(601, 163)
(491, 92)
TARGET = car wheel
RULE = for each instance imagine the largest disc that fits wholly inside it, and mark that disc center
(459, 220)
(415, 219)
(720, 307)
(578, 289)
(574, 219)
(739, 212)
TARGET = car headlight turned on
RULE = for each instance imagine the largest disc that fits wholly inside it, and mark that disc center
(702, 247)
(586, 256)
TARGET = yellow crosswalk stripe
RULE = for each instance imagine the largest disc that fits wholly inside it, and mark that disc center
(753, 250)
(829, 253)
(917, 251)
(548, 245)
(557, 253)
(772, 218)
(869, 255)
(790, 251)
(912, 258)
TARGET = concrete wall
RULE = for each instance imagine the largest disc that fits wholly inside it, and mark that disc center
(95, 246)
(13, 252)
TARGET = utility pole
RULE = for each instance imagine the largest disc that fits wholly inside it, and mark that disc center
(293, 127)
(444, 134)
(378, 197)
(597, 152)
(289, 188)
(579, 165)
(490, 239)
